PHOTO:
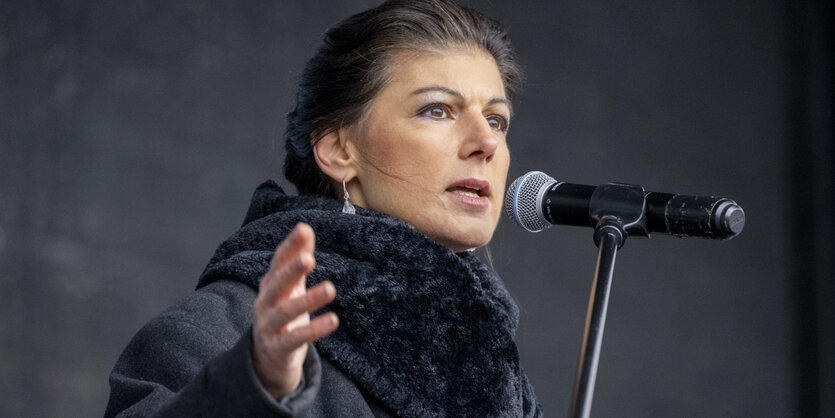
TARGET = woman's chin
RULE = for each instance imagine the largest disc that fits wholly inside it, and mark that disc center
(456, 231)
(465, 242)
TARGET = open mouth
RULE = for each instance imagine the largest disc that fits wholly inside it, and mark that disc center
(473, 191)
(467, 191)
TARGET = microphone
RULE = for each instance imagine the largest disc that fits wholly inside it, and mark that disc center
(535, 201)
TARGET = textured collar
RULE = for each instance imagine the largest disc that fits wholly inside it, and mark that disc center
(424, 330)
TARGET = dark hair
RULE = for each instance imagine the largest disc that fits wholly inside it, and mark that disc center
(350, 68)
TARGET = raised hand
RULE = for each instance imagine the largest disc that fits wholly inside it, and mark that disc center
(282, 327)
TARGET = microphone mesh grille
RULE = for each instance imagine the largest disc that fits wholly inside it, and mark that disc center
(521, 201)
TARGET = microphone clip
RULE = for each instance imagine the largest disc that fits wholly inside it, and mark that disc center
(620, 206)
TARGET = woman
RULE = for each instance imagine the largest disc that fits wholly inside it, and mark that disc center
(398, 148)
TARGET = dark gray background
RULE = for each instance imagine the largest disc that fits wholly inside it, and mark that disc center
(133, 133)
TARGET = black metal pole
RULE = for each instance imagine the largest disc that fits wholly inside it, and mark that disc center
(609, 238)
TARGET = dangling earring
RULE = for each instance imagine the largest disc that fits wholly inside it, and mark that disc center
(347, 207)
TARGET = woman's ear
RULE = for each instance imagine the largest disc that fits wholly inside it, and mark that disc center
(332, 156)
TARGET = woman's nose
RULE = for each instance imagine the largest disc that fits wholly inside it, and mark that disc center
(480, 140)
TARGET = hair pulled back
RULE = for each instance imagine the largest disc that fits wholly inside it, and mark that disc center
(350, 68)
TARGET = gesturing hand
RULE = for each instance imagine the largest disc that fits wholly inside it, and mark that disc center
(282, 327)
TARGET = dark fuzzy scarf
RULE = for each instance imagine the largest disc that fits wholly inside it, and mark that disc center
(425, 331)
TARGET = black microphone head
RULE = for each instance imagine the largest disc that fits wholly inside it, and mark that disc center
(523, 201)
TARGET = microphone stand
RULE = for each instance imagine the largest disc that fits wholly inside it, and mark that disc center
(616, 209)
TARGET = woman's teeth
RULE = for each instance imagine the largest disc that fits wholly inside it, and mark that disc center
(469, 193)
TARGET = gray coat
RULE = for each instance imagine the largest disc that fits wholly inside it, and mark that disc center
(194, 359)
(423, 331)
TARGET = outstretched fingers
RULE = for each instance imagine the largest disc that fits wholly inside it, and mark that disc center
(301, 238)
(282, 325)
(284, 282)
(292, 261)
(318, 327)
(292, 313)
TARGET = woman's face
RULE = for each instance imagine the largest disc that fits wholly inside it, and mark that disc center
(432, 150)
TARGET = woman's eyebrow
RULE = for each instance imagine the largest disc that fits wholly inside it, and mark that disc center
(458, 94)
(501, 100)
(443, 89)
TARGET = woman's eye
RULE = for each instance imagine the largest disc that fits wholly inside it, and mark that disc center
(436, 111)
(498, 123)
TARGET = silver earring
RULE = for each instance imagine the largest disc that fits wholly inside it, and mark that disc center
(347, 207)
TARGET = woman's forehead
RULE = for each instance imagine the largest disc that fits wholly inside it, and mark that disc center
(466, 72)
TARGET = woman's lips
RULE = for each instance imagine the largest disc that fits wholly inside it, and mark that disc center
(472, 192)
